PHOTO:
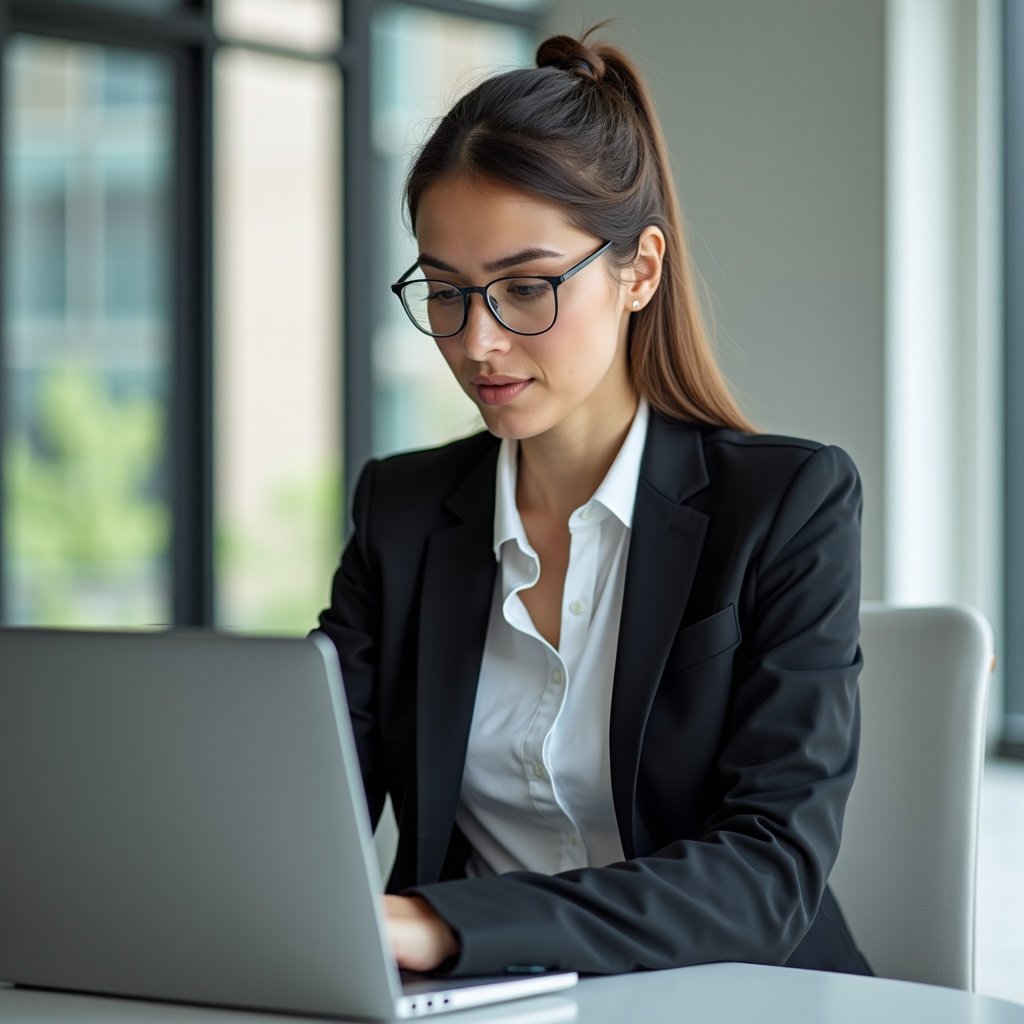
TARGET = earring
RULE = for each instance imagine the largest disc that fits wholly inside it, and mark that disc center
(636, 305)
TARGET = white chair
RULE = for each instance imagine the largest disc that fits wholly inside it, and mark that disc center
(905, 877)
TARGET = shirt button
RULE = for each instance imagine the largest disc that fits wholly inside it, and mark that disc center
(585, 513)
(575, 840)
(538, 769)
(576, 607)
(557, 676)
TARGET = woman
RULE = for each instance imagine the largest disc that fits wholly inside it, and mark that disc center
(603, 656)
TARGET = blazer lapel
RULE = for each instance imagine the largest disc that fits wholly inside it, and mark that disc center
(458, 582)
(664, 551)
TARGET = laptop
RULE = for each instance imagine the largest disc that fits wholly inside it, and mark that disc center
(182, 818)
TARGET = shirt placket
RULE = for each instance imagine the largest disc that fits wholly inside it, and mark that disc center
(548, 662)
(577, 612)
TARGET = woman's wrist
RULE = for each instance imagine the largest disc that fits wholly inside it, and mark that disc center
(420, 938)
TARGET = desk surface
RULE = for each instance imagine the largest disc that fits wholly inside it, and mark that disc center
(714, 992)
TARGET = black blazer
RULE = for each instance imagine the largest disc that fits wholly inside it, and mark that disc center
(734, 719)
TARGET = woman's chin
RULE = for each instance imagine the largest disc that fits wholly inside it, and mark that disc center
(509, 424)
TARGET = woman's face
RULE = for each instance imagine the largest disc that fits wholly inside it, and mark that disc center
(572, 379)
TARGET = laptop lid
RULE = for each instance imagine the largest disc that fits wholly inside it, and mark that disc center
(182, 818)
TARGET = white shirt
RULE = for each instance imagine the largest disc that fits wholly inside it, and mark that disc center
(536, 792)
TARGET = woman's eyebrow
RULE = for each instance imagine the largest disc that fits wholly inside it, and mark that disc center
(426, 260)
(525, 256)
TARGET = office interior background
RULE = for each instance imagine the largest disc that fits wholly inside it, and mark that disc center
(201, 215)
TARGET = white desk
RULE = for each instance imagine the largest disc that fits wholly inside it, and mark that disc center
(711, 994)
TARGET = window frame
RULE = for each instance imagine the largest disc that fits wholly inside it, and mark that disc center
(1013, 378)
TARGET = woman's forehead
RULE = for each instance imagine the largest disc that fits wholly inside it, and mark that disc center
(475, 224)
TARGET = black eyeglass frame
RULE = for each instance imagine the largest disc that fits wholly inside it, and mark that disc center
(481, 290)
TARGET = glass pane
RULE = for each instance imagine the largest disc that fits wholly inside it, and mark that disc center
(277, 354)
(88, 153)
(313, 25)
(421, 62)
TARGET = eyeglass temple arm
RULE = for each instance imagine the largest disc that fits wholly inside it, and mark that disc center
(399, 282)
(582, 265)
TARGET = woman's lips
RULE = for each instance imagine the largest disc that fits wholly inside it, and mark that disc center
(498, 390)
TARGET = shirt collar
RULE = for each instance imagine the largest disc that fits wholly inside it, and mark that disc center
(616, 492)
(508, 524)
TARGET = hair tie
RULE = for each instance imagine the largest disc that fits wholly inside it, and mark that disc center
(568, 54)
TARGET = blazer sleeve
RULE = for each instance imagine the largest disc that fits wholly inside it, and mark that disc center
(748, 887)
(352, 623)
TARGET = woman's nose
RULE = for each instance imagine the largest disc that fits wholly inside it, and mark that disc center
(482, 334)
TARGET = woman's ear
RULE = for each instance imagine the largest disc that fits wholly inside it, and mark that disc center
(642, 278)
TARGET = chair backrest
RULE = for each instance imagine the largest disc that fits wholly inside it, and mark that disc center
(905, 877)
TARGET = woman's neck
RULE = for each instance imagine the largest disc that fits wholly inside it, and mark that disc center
(560, 469)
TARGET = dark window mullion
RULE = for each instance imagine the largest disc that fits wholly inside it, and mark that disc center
(1013, 290)
(191, 404)
(360, 243)
(112, 25)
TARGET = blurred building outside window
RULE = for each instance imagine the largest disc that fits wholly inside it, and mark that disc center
(87, 168)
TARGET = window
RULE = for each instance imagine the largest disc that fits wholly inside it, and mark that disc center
(198, 347)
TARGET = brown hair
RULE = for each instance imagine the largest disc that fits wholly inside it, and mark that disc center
(580, 130)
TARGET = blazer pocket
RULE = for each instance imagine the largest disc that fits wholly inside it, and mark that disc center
(703, 640)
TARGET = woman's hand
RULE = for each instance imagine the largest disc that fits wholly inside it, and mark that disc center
(420, 940)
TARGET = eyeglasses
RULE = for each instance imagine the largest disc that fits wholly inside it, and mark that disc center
(523, 305)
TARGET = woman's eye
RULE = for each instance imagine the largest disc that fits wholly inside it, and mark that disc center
(443, 295)
(527, 289)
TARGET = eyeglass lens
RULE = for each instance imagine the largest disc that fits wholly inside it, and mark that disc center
(523, 304)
